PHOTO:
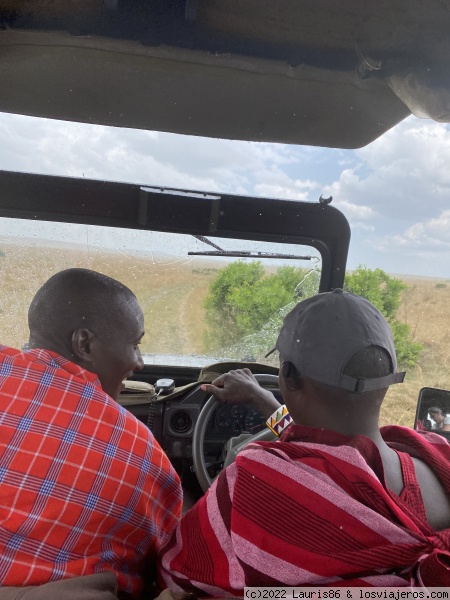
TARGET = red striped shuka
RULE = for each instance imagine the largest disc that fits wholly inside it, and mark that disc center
(312, 509)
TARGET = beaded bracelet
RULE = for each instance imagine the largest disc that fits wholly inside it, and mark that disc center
(279, 420)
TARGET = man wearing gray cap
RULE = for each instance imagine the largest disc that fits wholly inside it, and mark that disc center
(336, 500)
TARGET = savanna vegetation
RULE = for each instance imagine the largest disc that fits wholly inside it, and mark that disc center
(244, 300)
(246, 305)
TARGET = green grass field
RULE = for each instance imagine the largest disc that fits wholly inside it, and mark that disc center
(171, 294)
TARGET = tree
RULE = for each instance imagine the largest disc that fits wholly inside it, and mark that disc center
(245, 306)
(385, 293)
(244, 300)
(224, 303)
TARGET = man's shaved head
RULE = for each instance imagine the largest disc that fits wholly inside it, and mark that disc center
(93, 321)
(74, 299)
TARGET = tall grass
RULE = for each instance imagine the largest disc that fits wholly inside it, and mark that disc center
(426, 309)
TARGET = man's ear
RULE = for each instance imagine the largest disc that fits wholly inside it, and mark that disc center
(82, 340)
(291, 376)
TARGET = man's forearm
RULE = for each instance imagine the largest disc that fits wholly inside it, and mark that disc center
(265, 402)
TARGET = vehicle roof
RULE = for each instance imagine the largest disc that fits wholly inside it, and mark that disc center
(312, 72)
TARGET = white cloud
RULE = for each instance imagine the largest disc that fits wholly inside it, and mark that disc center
(353, 210)
(403, 175)
(286, 188)
(420, 144)
(74, 149)
(362, 226)
(432, 235)
(151, 158)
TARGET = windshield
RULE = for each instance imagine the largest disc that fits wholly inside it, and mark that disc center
(198, 307)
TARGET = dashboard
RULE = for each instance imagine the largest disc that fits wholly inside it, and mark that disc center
(172, 422)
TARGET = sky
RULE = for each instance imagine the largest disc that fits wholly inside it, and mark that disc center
(395, 192)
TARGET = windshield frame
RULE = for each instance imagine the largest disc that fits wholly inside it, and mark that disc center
(137, 206)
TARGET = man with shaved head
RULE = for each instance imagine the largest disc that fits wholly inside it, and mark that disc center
(85, 487)
(85, 316)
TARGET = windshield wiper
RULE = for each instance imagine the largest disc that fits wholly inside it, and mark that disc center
(242, 253)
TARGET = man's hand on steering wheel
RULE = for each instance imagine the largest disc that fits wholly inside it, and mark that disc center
(240, 386)
(237, 386)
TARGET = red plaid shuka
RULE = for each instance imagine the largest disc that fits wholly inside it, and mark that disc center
(309, 510)
(84, 486)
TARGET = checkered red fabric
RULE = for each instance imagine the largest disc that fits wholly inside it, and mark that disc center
(84, 486)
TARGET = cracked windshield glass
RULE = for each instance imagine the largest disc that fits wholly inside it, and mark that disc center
(198, 308)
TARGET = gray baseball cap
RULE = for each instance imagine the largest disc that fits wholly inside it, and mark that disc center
(322, 333)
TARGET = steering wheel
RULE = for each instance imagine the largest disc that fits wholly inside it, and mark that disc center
(198, 437)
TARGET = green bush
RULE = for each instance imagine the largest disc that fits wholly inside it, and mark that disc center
(244, 301)
(407, 350)
(385, 293)
(245, 306)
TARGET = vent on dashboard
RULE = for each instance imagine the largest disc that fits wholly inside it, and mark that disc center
(180, 421)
